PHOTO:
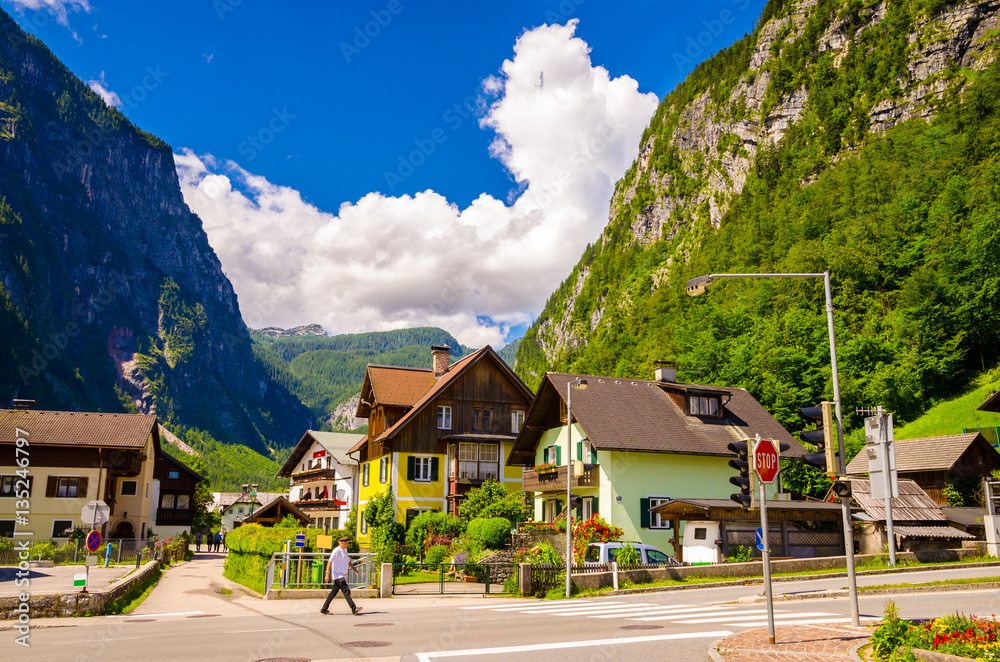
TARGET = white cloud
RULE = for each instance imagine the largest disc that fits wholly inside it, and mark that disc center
(564, 129)
(100, 86)
(58, 8)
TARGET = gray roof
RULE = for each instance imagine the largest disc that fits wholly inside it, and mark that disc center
(336, 444)
(618, 413)
(729, 504)
(923, 454)
(226, 499)
(964, 515)
(945, 532)
(912, 505)
(992, 403)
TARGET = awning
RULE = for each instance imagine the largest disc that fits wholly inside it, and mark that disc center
(941, 532)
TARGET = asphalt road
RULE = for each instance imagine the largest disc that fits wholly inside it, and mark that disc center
(676, 625)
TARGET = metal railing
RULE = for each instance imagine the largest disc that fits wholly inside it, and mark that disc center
(305, 570)
(489, 578)
(124, 551)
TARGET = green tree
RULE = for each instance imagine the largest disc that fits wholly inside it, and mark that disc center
(385, 532)
(492, 499)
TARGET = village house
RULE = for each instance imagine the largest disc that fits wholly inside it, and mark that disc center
(435, 434)
(637, 445)
(172, 497)
(66, 459)
(323, 477)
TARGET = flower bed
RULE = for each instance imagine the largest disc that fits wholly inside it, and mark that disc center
(969, 637)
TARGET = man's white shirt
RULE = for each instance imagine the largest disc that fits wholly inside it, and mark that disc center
(339, 561)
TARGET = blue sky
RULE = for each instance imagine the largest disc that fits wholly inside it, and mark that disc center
(374, 165)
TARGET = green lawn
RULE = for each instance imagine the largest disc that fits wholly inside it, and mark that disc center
(419, 577)
(950, 582)
(951, 416)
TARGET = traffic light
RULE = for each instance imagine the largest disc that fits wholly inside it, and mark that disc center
(841, 489)
(823, 437)
(744, 481)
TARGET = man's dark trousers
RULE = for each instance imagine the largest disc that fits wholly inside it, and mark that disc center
(339, 585)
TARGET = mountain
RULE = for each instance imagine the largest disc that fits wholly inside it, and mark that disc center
(111, 297)
(308, 330)
(326, 372)
(853, 136)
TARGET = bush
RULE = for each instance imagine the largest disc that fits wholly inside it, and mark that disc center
(492, 499)
(432, 523)
(540, 554)
(493, 532)
(888, 636)
(436, 554)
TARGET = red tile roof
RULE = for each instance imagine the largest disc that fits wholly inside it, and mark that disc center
(401, 387)
(68, 428)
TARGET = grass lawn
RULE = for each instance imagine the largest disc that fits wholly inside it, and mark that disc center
(950, 582)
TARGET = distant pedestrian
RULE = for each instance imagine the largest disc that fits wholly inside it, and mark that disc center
(218, 541)
(337, 569)
(197, 542)
(224, 543)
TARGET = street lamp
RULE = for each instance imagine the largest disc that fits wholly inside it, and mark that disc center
(697, 286)
(577, 384)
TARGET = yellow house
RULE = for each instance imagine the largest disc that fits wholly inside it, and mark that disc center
(61, 460)
(435, 434)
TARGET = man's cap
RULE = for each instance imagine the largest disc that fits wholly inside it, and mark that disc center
(343, 539)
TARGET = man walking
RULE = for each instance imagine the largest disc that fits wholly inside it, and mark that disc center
(337, 569)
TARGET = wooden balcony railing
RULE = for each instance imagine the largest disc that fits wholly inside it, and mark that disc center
(555, 481)
(321, 504)
(313, 476)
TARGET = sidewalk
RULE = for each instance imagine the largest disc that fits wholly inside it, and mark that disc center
(801, 643)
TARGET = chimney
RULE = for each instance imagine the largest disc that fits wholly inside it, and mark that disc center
(441, 359)
(666, 372)
(24, 404)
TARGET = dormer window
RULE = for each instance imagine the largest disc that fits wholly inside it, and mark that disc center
(699, 405)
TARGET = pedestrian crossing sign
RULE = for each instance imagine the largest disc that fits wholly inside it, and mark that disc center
(80, 579)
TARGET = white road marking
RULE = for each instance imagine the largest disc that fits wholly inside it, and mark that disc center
(557, 607)
(756, 617)
(425, 657)
(596, 609)
(808, 621)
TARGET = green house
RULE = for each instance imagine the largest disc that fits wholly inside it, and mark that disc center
(637, 444)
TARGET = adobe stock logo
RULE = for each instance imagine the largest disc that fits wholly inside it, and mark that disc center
(697, 47)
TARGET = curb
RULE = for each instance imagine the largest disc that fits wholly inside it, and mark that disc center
(713, 651)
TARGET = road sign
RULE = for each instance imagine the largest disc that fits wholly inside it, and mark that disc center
(80, 579)
(300, 540)
(765, 461)
(95, 513)
(758, 538)
(93, 540)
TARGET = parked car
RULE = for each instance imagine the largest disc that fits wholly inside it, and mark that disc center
(606, 552)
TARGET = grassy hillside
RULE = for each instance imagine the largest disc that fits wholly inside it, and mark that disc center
(955, 414)
(229, 466)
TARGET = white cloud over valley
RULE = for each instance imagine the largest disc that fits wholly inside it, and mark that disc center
(564, 129)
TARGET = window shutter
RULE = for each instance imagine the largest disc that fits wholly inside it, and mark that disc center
(579, 450)
(434, 469)
(559, 507)
(364, 475)
(50, 487)
(594, 509)
(559, 455)
(410, 467)
(579, 510)
(81, 487)
(593, 454)
(644, 513)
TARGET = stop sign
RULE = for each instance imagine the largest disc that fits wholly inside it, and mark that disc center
(765, 461)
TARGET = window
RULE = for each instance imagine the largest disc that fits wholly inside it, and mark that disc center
(585, 452)
(444, 417)
(657, 557)
(702, 406)
(128, 487)
(552, 454)
(335, 523)
(516, 421)
(11, 485)
(364, 475)
(69, 488)
(588, 507)
(451, 460)
(700, 533)
(422, 469)
(61, 528)
(489, 457)
(383, 469)
(173, 474)
(480, 419)
(478, 461)
(167, 501)
(6, 528)
(183, 501)
(241, 511)
(655, 521)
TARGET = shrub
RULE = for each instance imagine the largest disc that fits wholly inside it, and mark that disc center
(475, 528)
(494, 532)
(432, 523)
(628, 556)
(888, 636)
(594, 529)
(540, 554)
(740, 554)
(492, 499)
(436, 554)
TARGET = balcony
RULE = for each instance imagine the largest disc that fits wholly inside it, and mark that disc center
(125, 464)
(174, 517)
(314, 476)
(586, 475)
(321, 504)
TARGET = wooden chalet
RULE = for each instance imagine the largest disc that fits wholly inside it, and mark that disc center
(174, 485)
(434, 434)
(274, 512)
(933, 462)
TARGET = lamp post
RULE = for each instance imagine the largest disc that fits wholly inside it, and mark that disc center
(697, 286)
(577, 384)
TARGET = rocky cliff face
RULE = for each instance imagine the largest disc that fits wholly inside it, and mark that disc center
(307, 330)
(707, 135)
(108, 272)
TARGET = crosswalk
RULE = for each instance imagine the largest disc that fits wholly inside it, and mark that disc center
(729, 615)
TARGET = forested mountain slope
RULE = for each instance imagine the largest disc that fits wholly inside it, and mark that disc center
(111, 297)
(854, 136)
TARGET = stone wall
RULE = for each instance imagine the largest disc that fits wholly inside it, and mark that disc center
(76, 604)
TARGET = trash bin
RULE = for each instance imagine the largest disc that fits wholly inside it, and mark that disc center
(317, 571)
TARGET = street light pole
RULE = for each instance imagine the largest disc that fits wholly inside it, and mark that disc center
(697, 286)
(579, 385)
